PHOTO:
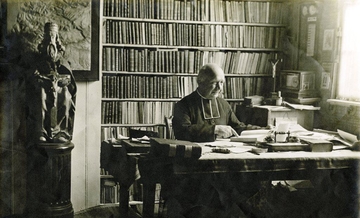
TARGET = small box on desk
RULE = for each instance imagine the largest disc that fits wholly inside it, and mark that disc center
(297, 81)
(319, 145)
(313, 145)
(298, 86)
(160, 147)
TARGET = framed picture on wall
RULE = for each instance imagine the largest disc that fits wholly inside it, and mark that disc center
(91, 72)
(78, 23)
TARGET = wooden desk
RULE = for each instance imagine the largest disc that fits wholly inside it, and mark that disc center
(267, 166)
(120, 161)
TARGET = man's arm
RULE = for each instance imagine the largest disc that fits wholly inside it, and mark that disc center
(238, 125)
(235, 123)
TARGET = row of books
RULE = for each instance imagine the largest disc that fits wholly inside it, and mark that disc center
(186, 61)
(196, 10)
(104, 172)
(173, 34)
(133, 86)
(185, 34)
(125, 112)
(109, 191)
(163, 87)
(116, 132)
(239, 88)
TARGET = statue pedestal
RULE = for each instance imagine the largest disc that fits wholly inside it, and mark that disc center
(49, 180)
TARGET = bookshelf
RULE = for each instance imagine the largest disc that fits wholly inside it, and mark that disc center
(151, 51)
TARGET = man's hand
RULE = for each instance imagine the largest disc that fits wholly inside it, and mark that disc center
(224, 131)
(252, 127)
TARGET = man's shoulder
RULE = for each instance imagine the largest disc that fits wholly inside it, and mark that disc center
(222, 101)
(190, 97)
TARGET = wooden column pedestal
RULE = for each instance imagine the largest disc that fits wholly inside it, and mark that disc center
(49, 180)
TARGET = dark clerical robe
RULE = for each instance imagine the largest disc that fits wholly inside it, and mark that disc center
(195, 118)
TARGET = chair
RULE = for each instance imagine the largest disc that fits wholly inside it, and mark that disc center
(169, 129)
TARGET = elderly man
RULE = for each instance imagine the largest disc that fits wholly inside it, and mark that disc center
(202, 116)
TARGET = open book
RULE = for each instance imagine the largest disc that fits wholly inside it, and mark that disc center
(341, 139)
(251, 135)
(344, 138)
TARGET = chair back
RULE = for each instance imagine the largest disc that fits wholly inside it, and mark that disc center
(137, 133)
(169, 129)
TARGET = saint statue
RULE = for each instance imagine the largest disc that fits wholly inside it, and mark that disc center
(52, 106)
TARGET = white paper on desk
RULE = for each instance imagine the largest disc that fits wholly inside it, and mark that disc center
(251, 136)
(302, 107)
(255, 132)
(346, 139)
(240, 149)
(347, 136)
(297, 128)
(221, 143)
(234, 147)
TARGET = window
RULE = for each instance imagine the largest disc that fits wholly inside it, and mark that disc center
(348, 86)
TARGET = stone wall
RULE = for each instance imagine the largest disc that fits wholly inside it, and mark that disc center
(26, 30)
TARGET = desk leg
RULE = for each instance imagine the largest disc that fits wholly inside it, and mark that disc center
(124, 201)
(148, 199)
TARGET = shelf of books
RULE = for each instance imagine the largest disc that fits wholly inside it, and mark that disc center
(151, 51)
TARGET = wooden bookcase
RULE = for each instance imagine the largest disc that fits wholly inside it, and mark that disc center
(151, 51)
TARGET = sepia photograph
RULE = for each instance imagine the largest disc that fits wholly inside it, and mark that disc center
(179, 109)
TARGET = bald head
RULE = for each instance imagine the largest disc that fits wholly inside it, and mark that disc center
(209, 72)
(210, 80)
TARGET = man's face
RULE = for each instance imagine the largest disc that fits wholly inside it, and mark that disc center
(212, 87)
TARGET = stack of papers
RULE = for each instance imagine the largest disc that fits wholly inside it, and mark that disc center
(345, 139)
(234, 147)
(301, 106)
(251, 136)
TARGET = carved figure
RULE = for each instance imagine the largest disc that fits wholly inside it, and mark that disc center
(54, 89)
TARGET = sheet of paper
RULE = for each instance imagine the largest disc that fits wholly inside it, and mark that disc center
(259, 134)
(302, 107)
(255, 132)
(340, 139)
(347, 136)
(234, 147)
(240, 149)
(221, 143)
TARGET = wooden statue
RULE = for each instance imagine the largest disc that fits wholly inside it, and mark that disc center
(52, 106)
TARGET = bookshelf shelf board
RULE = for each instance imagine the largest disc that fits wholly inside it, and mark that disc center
(109, 204)
(235, 100)
(140, 99)
(133, 125)
(248, 75)
(192, 22)
(181, 74)
(155, 99)
(149, 73)
(106, 176)
(191, 47)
